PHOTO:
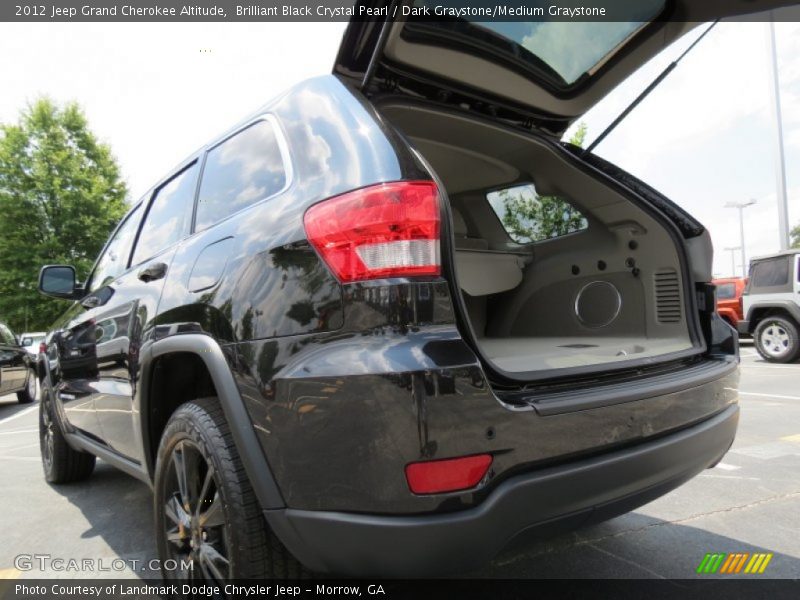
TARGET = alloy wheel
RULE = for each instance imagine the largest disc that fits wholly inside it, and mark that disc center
(775, 340)
(31, 386)
(194, 523)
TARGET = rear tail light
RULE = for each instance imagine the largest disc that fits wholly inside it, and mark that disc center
(385, 230)
(42, 348)
(449, 475)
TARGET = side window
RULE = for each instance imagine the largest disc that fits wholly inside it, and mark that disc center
(114, 261)
(6, 336)
(242, 170)
(771, 273)
(726, 291)
(528, 217)
(169, 215)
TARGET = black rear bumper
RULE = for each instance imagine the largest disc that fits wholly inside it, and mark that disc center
(545, 502)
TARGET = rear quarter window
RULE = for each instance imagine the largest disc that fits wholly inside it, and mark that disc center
(529, 217)
(770, 273)
(242, 170)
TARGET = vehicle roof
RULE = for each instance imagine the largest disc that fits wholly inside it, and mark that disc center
(788, 252)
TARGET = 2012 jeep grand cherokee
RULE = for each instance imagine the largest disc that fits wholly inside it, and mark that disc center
(326, 342)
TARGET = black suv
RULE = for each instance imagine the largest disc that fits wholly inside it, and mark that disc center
(336, 338)
(17, 374)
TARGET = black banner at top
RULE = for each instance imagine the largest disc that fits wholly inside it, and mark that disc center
(345, 10)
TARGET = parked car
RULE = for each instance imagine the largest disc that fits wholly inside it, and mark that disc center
(31, 341)
(17, 375)
(322, 343)
(729, 299)
(772, 306)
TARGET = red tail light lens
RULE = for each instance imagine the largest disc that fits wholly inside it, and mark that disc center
(386, 230)
(449, 475)
(42, 348)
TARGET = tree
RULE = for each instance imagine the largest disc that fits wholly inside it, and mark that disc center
(529, 217)
(60, 196)
(795, 235)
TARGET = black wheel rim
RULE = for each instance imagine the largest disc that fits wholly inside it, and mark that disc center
(194, 526)
(47, 435)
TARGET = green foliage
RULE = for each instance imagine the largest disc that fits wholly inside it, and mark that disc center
(795, 236)
(529, 217)
(60, 196)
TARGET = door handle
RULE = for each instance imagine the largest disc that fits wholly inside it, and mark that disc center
(152, 272)
(90, 302)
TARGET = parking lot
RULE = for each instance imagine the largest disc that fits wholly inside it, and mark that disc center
(749, 503)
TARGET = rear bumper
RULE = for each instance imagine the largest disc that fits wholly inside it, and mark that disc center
(543, 502)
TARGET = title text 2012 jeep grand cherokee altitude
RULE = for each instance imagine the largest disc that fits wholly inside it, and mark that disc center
(318, 341)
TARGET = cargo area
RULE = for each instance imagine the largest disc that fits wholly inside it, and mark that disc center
(557, 269)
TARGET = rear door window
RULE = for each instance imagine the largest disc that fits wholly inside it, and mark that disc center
(529, 217)
(242, 170)
(169, 215)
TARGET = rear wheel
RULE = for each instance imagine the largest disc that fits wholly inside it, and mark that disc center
(28, 395)
(777, 339)
(61, 463)
(207, 516)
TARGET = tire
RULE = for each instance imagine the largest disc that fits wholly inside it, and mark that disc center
(776, 339)
(61, 463)
(28, 395)
(206, 511)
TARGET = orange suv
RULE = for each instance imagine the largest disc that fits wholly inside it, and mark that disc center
(729, 299)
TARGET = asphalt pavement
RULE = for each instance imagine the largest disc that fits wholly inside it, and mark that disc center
(749, 503)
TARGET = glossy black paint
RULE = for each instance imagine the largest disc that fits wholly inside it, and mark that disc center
(15, 363)
(342, 385)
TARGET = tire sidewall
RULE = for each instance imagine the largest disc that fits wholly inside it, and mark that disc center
(46, 405)
(25, 396)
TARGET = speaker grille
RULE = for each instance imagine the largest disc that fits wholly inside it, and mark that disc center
(597, 304)
(668, 296)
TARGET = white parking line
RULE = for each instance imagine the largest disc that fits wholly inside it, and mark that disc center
(727, 467)
(741, 393)
(18, 415)
(16, 431)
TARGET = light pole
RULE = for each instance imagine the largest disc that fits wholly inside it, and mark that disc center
(741, 206)
(732, 250)
(780, 166)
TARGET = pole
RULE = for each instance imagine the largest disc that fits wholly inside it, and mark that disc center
(780, 167)
(741, 240)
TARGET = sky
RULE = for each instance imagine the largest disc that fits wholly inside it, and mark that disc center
(157, 92)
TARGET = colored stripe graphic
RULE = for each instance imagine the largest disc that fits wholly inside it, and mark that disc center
(764, 564)
(741, 562)
(726, 566)
(724, 563)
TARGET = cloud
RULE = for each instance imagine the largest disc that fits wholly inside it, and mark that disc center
(147, 88)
